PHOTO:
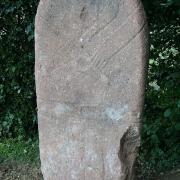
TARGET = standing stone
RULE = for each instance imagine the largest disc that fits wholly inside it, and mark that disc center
(90, 68)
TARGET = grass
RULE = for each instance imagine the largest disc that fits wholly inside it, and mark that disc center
(19, 160)
(19, 151)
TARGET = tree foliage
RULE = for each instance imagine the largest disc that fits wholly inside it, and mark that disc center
(161, 126)
(17, 89)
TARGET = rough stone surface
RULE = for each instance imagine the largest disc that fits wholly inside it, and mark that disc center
(90, 75)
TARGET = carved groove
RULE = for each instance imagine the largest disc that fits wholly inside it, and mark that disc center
(108, 60)
(103, 27)
(107, 24)
(100, 65)
(95, 63)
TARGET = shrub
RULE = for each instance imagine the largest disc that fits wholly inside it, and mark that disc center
(17, 87)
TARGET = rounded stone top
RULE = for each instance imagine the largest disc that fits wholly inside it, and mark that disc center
(91, 52)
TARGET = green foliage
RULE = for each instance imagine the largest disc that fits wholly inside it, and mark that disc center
(161, 126)
(14, 150)
(17, 87)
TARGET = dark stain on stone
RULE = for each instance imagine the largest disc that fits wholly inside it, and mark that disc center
(56, 32)
(83, 13)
